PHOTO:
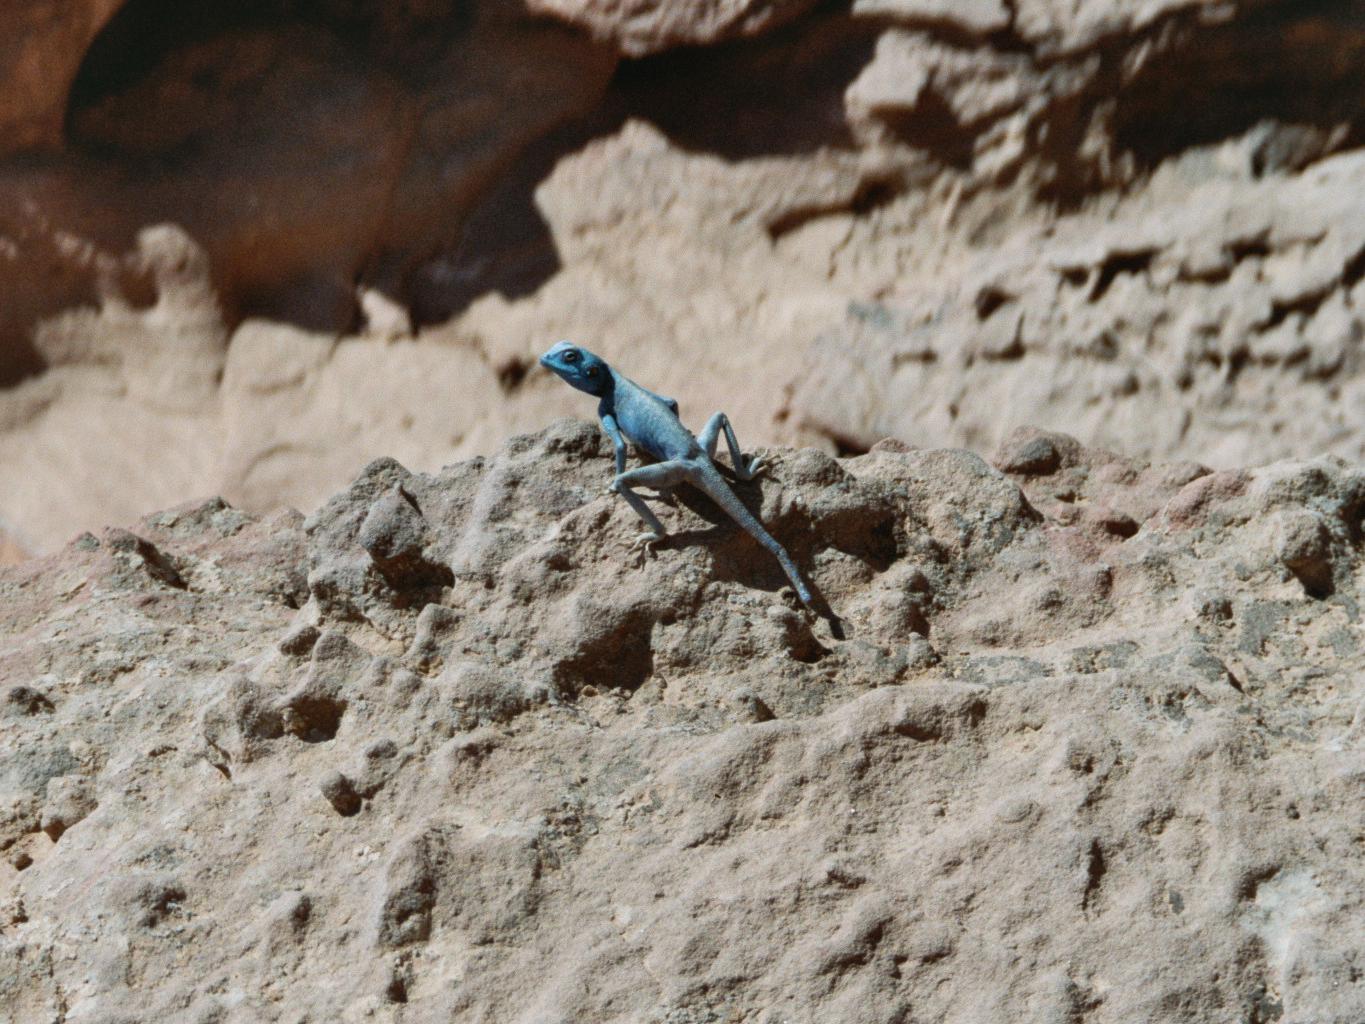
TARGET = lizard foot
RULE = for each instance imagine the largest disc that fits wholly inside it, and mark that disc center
(644, 545)
(758, 464)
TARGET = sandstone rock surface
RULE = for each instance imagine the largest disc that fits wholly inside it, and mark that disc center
(898, 217)
(1086, 741)
(640, 27)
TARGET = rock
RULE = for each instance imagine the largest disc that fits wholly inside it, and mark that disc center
(967, 201)
(1304, 545)
(1093, 703)
(69, 801)
(901, 93)
(336, 674)
(652, 763)
(140, 554)
(1194, 501)
(239, 723)
(152, 900)
(286, 923)
(410, 892)
(642, 27)
(978, 17)
(394, 534)
(27, 770)
(920, 654)
(300, 640)
(25, 700)
(1049, 680)
(752, 707)
(436, 626)
(482, 694)
(393, 531)
(1036, 453)
(340, 792)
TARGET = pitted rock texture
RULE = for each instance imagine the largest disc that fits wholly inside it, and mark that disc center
(1209, 306)
(1081, 740)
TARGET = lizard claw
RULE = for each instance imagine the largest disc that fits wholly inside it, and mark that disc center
(757, 464)
(644, 545)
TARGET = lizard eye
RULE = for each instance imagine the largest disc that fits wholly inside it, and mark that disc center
(571, 356)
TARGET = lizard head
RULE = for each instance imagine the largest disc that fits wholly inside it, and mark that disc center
(578, 368)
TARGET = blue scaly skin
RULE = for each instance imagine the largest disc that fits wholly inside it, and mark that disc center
(650, 422)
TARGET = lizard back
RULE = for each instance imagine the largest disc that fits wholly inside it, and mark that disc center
(650, 424)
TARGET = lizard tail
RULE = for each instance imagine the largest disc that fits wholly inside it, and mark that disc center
(718, 490)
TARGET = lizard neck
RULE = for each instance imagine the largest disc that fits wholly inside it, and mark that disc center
(601, 384)
(604, 384)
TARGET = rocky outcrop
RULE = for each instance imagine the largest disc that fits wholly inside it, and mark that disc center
(1080, 738)
(1206, 315)
(641, 27)
(303, 146)
(928, 220)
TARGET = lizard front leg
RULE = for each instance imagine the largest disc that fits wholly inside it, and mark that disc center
(618, 444)
(746, 468)
(618, 441)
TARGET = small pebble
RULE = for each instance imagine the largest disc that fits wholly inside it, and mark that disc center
(340, 793)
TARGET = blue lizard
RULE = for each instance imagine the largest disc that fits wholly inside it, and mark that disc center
(650, 422)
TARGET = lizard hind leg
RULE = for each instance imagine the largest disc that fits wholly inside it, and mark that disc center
(659, 475)
(746, 468)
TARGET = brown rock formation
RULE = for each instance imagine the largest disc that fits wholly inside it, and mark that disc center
(40, 53)
(640, 27)
(1135, 222)
(302, 145)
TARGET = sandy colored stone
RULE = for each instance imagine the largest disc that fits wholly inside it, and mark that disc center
(564, 787)
(641, 27)
(897, 220)
(977, 16)
(1054, 25)
(1088, 321)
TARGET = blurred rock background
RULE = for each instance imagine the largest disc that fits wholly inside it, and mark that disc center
(247, 247)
